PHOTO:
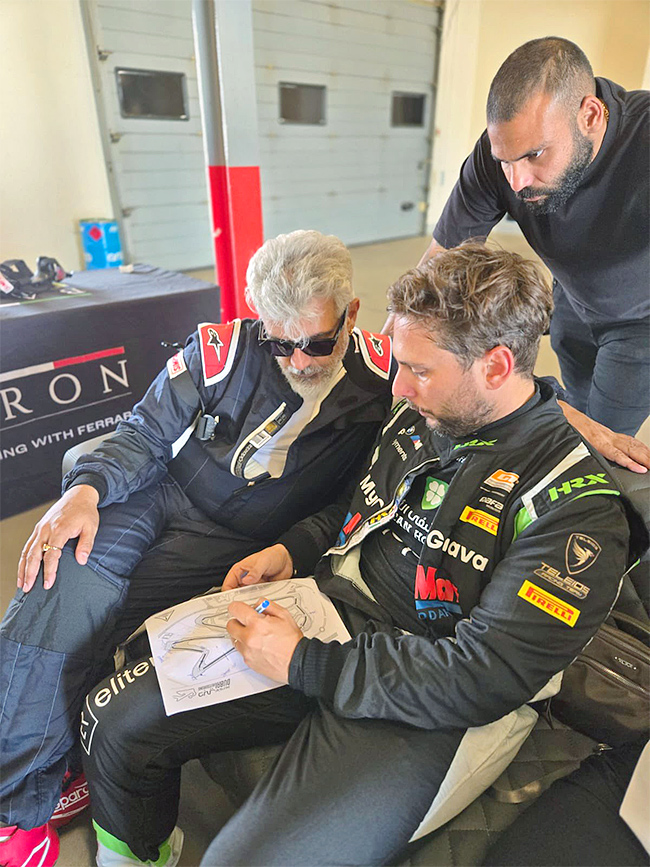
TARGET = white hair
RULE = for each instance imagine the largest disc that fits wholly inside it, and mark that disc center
(291, 271)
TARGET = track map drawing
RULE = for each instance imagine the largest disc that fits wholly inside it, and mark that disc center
(196, 662)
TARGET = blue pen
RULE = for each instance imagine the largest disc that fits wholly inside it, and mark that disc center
(261, 608)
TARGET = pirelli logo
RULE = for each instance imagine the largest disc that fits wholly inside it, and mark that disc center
(480, 519)
(549, 603)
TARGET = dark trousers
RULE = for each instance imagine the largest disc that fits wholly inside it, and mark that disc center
(575, 823)
(150, 552)
(605, 369)
(342, 791)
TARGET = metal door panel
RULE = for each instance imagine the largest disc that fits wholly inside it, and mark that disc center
(163, 161)
(158, 165)
(179, 179)
(354, 175)
(294, 17)
(343, 64)
(168, 8)
(146, 22)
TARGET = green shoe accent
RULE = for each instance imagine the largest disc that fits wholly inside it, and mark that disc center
(113, 843)
(165, 851)
(120, 847)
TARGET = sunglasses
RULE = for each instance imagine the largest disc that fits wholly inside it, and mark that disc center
(315, 347)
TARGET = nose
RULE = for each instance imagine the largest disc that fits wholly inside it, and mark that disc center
(518, 175)
(299, 361)
(402, 385)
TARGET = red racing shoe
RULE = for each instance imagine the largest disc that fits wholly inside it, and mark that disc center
(38, 847)
(74, 800)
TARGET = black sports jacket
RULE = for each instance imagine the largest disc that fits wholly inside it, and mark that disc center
(522, 564)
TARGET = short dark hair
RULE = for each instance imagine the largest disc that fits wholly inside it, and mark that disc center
(552, 65)
(472, 298)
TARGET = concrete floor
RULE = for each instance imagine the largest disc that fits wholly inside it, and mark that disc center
(204, 807)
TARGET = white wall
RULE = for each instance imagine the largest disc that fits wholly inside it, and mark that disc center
(479, 35)
(52, 166)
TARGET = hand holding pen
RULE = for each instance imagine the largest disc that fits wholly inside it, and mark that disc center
(266, 636)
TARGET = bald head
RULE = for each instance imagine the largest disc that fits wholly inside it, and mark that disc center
(550, 65)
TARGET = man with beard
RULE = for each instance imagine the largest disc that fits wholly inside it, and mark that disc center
(452, 571)
(567, 156)
(251, 427)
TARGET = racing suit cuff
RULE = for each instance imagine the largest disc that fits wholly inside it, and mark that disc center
(316, 667)
(303, 548)
(93, 479)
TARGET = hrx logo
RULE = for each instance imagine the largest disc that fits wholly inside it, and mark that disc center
(575, 484)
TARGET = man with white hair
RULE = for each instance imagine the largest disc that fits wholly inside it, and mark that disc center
(250, 428)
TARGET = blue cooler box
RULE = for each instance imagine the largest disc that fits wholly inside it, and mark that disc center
(101, 243)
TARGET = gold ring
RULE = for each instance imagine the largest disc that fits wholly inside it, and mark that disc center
(47, 547)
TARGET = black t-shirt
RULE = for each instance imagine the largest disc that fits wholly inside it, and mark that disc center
(597, 244)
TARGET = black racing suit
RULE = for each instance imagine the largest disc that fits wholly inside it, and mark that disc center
(179, 512)
(375, 723)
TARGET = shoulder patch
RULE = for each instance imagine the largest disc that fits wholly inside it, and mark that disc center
(218, 347)
(176, 364)
(376, 350)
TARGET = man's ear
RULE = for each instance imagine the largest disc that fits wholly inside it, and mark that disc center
(498, 366)
(353, 309)
(591, 115)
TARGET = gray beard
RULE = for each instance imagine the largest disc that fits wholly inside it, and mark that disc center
(311, 385)
(308, 386)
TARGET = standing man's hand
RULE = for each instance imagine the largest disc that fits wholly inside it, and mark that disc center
(75, 514)
(619, 448)
(266, 641)
(432, 250)
(270, 564)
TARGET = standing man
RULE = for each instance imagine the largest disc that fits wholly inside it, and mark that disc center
(567, 156)
(452, 571)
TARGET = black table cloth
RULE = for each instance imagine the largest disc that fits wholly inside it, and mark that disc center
(74, 365)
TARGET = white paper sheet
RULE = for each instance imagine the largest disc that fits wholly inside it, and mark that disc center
(195, 660)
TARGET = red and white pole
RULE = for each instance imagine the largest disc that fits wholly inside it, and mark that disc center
(223, 39)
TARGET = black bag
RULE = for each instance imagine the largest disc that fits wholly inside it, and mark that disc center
(605, 692)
